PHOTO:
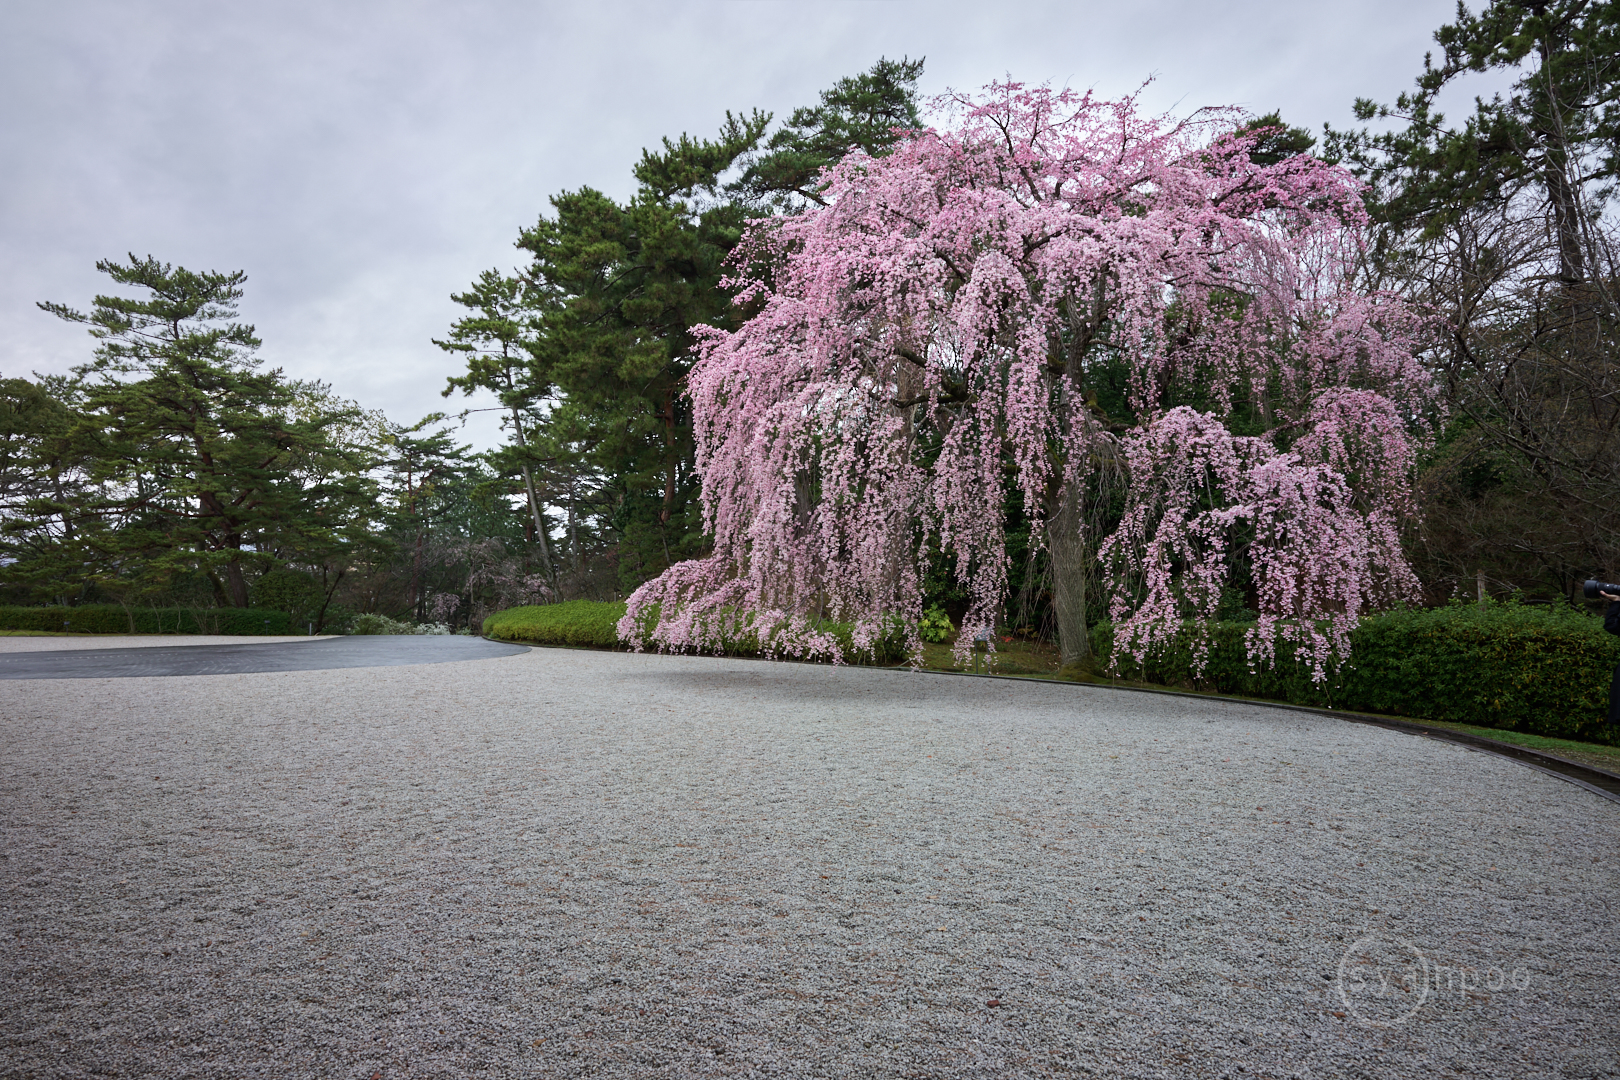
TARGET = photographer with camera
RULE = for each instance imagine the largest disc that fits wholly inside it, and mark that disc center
(1611, 622)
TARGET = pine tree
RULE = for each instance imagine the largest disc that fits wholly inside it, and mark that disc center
(497, 340)
(1556, 131)
(1499, 224)
(197, 460)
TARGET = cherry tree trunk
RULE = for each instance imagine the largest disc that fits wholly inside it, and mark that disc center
(1067, 552)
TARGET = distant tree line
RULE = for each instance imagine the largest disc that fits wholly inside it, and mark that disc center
(173, 469)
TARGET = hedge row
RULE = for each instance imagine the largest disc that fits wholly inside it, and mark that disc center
(1539, 670)
(112, 619)
(592, 623)
(576, 622)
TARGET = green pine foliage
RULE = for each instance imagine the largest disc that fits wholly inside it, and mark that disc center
(190, 456)
(865, 112)
(1542, 670)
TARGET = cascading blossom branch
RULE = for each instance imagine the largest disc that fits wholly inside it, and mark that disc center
(935, 340)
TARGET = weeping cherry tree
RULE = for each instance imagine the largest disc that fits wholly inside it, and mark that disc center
(943, 333)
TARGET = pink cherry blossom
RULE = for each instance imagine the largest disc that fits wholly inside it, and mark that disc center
(931, 340)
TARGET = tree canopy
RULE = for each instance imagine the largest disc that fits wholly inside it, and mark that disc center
(1500, 224)
(194, 459)
(589, 345)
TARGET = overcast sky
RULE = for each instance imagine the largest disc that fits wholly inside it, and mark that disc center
(362, 161)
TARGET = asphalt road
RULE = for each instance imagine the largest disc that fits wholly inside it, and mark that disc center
(319, 654)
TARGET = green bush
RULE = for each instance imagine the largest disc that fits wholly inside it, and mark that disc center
(1225, 669)
(592, 623)
(1542, 670)
(935, 626)
(292, 591)
(112, 619)
(576, 622)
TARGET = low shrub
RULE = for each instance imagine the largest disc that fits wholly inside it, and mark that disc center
(381, 624)
(593, 623)
(935, 626)
(575, 622)
(112, 619)
(1225, 670)
(292, 591)
(1542, 670)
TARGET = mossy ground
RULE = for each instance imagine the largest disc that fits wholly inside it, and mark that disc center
(1013, 656)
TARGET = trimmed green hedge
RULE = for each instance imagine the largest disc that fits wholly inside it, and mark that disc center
(592, 623)
(1539, 670)
(576, 622)
(112, 619)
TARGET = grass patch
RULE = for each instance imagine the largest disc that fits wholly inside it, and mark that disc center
(1039, 660)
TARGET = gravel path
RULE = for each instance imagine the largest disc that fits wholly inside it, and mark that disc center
(568, 863)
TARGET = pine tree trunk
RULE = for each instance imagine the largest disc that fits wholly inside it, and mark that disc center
(416, 578)
(573, 535)
(235, 584)
(539, 526)
(534, 505)
(1566, 223)
(1067, 553)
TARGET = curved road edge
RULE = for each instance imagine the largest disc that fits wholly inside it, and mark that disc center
(1598, 781)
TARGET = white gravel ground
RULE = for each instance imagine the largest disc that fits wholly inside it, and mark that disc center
(582, 864)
